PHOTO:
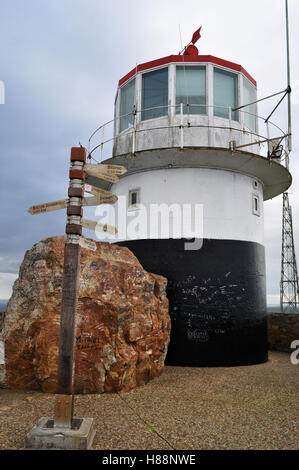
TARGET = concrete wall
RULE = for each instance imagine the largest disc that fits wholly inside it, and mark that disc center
(197, 131)
(283, 328)
(226, 197)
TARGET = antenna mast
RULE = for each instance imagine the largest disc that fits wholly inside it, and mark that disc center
(289, 83)
(289, 275)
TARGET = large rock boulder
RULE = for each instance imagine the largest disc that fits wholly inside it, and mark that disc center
(122, 330)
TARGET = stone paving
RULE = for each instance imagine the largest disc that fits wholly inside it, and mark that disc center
(249, 407)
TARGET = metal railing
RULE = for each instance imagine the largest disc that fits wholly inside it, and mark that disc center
(108, 133)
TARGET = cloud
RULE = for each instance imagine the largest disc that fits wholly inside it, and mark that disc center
(6, 283)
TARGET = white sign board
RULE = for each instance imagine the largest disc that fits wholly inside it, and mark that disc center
(94, 225)
(87, 244)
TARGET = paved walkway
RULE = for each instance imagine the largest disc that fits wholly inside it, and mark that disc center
(253, 407)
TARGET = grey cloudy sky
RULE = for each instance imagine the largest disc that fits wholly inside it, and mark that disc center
(60, 63)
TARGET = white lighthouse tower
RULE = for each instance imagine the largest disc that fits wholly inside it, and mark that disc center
(187, 146)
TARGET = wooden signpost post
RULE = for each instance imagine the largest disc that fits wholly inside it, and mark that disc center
(66, 364)
(76, 433)
(66, 359)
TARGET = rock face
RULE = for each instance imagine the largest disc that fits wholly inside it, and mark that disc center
(122, 330)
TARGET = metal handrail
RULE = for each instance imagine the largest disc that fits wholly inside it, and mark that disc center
(134, 127)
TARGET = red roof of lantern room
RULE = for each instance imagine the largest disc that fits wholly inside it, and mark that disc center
(185, 59)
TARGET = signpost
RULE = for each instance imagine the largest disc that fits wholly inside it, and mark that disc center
(66, 432)
(66, 359)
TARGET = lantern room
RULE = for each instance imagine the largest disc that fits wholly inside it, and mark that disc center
(203, 92)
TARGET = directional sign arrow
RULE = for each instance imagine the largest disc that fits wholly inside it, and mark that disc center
(96, 200)
(94, 225)
(63, 203)
(114, 169)
(48, 206)
(98, 171)
(102, 193)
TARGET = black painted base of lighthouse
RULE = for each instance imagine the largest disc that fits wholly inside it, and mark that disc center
(217, 299)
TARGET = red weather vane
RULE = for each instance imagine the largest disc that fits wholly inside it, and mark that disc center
(195, 38)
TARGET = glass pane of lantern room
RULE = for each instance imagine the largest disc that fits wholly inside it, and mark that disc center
(225, 93)
(191, 89)
(155, 94)
(249, 95)
(127, 101)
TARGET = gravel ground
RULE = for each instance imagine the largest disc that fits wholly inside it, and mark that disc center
(253, 407)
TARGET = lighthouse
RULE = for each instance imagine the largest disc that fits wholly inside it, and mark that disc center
(196, 183)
